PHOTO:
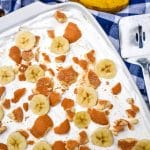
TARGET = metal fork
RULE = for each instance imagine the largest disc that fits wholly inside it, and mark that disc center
(145, 64)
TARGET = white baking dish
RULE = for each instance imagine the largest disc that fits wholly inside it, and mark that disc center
(93, 38)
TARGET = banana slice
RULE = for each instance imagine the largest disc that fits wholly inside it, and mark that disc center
(42, 145)
(60, 45)
(86, 96)
(106, 68)
(82, 119)
(1, 113)
(33, 73)
(39, 104)
(102, 137)
(25, 40)
(142, 145)
(16, 141)
(7, 75)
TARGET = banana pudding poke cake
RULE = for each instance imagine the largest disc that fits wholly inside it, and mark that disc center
(57, 95)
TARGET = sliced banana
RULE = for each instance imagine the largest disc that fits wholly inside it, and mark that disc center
(1, 113)
(33, 73)
(60, 45)
(16, 141)
(39, 104)
(7, 75)
(86, 96)
(82, 119)
(25, 40)
(102, 137)
(42, 145)
(106, 68)
(142, 145)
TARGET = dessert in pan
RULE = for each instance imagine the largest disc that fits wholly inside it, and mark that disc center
(60, 91)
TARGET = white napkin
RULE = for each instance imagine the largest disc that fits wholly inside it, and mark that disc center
(128, 27)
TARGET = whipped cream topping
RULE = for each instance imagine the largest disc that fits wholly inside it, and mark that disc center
(90, 39)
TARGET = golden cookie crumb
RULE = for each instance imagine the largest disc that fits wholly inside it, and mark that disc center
(30, 142)
(60, 59)
(83, 147)
(44, 67)
(51, 33)
(90, 56)
(60, 16)
(46, 57)
(23, 68)
(67, 76)
(116, 89)
(26, 106)
(18, 95)
(41, 126)
(130, 113)
(127, 144)
(44, 85)
(17, 114)
(72, 32)
(70, 114)
(72, 145)
(81, 62)
(21, 77)
(83, 138)
(93, 79)
(3, 146)
(37, 38)
(27, 55)
(6, 103)
(63, 128)
(104, 104)
(15, 54)
(24, 133)
(58, 145)
(2, 90)
(51, 71)
(54, 98)
(67, 103)
(135, 108)
(98, 117)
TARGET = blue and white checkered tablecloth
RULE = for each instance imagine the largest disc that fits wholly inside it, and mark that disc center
(108, 21)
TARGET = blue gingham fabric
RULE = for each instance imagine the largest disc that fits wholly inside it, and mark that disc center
(108, 21)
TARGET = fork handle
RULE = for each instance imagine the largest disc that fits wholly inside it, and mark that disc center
(147, 83)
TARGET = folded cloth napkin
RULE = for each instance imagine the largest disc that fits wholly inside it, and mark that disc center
(108, 21)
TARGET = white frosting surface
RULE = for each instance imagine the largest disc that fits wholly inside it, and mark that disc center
(90, 40)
